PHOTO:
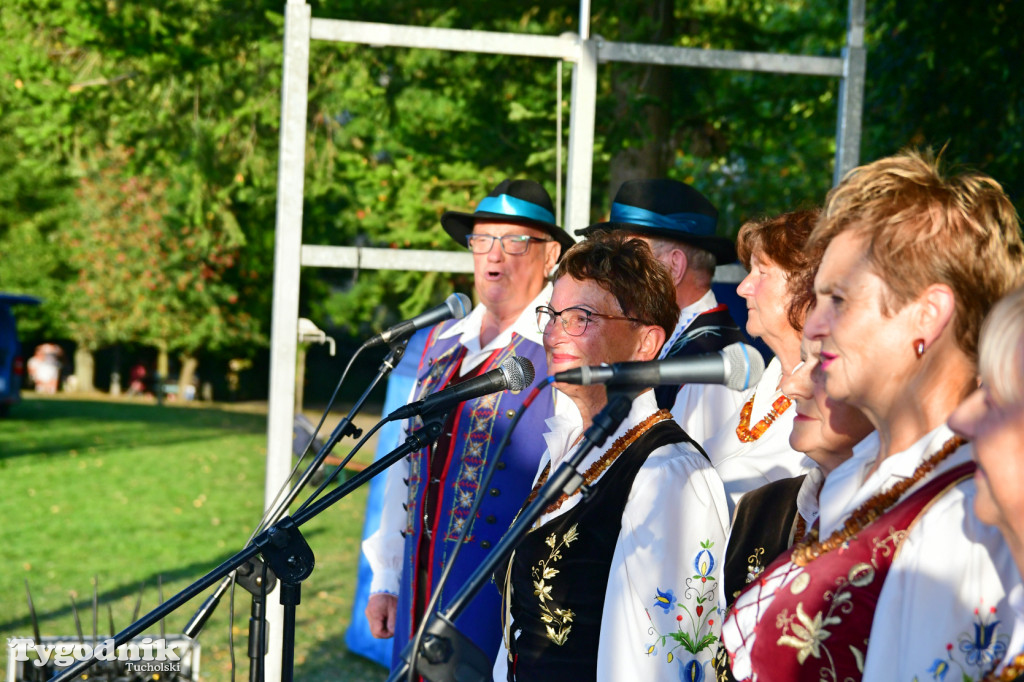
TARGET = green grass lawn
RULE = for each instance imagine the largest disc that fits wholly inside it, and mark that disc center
(125, 493)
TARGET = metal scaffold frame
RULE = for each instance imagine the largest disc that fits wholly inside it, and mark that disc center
(585, 54)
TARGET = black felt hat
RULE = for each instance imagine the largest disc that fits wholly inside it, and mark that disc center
(520, 202)
(670, 209)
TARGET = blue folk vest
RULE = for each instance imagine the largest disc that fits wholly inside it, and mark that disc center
(479, 426)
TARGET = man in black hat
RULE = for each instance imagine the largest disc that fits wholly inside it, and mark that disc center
(679, 224)
(515, 244)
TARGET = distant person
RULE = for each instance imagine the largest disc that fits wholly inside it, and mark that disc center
(679, 223)
(515, 244)
(44, 368)
(138, 380)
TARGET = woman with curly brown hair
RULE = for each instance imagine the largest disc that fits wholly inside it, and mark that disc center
(625, 586)
(752, 448)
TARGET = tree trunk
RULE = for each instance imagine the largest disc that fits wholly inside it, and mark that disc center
(187, 378)
(649, 124)
(85, 369)
(162, 362)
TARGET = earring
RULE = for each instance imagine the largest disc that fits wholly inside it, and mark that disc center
(919, 348)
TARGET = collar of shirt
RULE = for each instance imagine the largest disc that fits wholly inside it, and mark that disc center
(767, 391)
(686, 317)
(468, 331)
(807, 496)
(849, 485)
(561, 439)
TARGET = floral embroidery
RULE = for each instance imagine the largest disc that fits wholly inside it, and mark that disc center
(695, 624)
(808, 633)
(665, 600)
(754, 566)
(558, 622)
(983, 648)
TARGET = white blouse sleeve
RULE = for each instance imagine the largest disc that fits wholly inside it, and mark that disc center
(663, 606)
(943, 608)
(385, 548)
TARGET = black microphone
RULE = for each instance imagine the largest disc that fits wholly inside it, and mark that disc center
(515, 374)
(738, 366)
(456, 306)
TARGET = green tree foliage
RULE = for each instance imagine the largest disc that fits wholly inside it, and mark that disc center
(397, 136)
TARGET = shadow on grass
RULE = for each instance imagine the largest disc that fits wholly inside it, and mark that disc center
(148, 586)
(331, 655)
(55, 427)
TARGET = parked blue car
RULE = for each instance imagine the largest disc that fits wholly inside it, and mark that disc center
(12, 365)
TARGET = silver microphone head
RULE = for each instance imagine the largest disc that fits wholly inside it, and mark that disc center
(518, 372)
(743, 366)
(459, 305)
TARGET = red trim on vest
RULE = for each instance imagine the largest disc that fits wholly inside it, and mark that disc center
(484, 367)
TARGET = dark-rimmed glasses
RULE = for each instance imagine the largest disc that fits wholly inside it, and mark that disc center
(574, 320)
(511, 244)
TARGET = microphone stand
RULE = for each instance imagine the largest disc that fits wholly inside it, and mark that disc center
(446, 653)
(344, 428)
(283, 549)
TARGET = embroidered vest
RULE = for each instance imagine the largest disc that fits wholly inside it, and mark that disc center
(762, 529)
(817, 626)
(710, 332)
(479, 426)
(555, 633)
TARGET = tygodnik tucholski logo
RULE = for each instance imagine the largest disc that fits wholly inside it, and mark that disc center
(144, 655)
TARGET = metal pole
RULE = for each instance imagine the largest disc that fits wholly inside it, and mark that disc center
(851, 94)
(558, 143)
(581, 137)
(287, 250)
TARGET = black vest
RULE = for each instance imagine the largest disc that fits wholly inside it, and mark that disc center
(710, 332)
(761, 530)
(567, 561)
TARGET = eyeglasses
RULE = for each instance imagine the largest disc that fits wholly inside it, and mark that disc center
(511, 244)
(574, 320)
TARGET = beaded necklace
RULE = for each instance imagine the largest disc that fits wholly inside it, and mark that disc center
(1013, 670)
(603, 462)
(879, 503)
(745, 433)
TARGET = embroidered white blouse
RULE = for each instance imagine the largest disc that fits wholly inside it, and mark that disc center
(384, 548)
(946, 589)
(746, 466)
(673, 534)
(701, 409)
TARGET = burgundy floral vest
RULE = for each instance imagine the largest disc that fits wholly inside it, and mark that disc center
(818, 624)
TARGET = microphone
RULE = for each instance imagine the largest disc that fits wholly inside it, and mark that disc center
(738, 367)
(514, 374)
(456, 306)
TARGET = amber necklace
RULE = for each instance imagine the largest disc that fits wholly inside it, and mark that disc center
(1013, 670)
(745, 433)
(603, 462)
(879, 503)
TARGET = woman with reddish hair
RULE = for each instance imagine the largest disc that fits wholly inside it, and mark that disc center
(752, 448)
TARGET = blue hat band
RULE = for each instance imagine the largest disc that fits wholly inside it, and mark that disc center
(514, 208)
(691, 223)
